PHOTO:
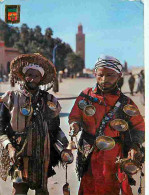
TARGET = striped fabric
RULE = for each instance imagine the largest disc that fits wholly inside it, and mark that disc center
(109, 62)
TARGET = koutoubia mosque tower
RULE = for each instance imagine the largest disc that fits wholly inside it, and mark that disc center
(80, 43)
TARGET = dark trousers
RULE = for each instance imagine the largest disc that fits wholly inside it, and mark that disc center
(22, 189)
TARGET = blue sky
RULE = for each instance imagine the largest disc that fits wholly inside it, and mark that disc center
(113, 27)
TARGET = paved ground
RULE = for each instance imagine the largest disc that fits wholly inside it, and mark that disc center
(69, 88)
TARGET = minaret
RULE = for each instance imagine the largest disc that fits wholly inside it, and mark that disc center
(2, 32)
(80, 43)
(126, 66)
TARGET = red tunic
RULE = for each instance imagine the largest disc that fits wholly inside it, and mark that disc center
(101, 176)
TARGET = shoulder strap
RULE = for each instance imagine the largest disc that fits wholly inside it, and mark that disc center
(120, 113)
(88, 97)
(119, 104)
(44, 94)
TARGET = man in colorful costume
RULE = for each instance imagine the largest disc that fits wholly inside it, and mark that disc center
(29, 126)
(94, 113)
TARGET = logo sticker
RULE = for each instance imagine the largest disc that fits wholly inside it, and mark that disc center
(12, 14)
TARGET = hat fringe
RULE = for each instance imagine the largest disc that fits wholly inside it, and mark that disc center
(23, 60)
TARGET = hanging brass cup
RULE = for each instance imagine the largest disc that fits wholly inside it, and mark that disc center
(89, 110)
(104, 143)
(82, 104)
(17, 176)
(119, 125)
(131, 110)
(67, 156)
(51, 105)
(130, 167)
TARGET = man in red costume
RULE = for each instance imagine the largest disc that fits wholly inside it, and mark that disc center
(95, 113)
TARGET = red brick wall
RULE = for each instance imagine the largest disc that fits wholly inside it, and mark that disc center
(6, 55)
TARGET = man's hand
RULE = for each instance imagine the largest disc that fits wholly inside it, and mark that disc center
(74, 129)
(12, 152)
(131, 154)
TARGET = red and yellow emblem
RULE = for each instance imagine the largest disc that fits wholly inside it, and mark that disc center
(12, 13)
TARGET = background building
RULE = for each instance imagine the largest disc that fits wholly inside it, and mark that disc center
(6, 55)
(80, 43)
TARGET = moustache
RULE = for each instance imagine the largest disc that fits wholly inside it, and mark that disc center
(105, 83)
(31, 85)
(29, 81)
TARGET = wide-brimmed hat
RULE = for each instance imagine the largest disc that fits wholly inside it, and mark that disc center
(17, 65)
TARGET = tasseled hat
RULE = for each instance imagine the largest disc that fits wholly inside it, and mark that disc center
(23, 62)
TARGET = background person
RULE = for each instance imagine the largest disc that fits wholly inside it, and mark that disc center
(131, 82)
(141, 86)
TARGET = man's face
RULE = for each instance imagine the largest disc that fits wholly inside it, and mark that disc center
(106, 78)
(32, 79)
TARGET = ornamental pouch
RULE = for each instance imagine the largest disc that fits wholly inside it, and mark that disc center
(5, 163)
(85, 148)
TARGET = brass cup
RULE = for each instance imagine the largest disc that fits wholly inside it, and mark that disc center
(130, 167)
(89, 110)
(104, 143)
(51, 105)
(119, 125)
(67, 156)
(131, 110)
(17, 177)
(26, 111)
(82, 104)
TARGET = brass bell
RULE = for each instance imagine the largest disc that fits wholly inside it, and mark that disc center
(119, 125)
(17, 176)
(67, 156)
(131, 110)
(71, 145)
(105, 143)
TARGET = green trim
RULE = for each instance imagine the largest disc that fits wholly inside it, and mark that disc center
(12, 10)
